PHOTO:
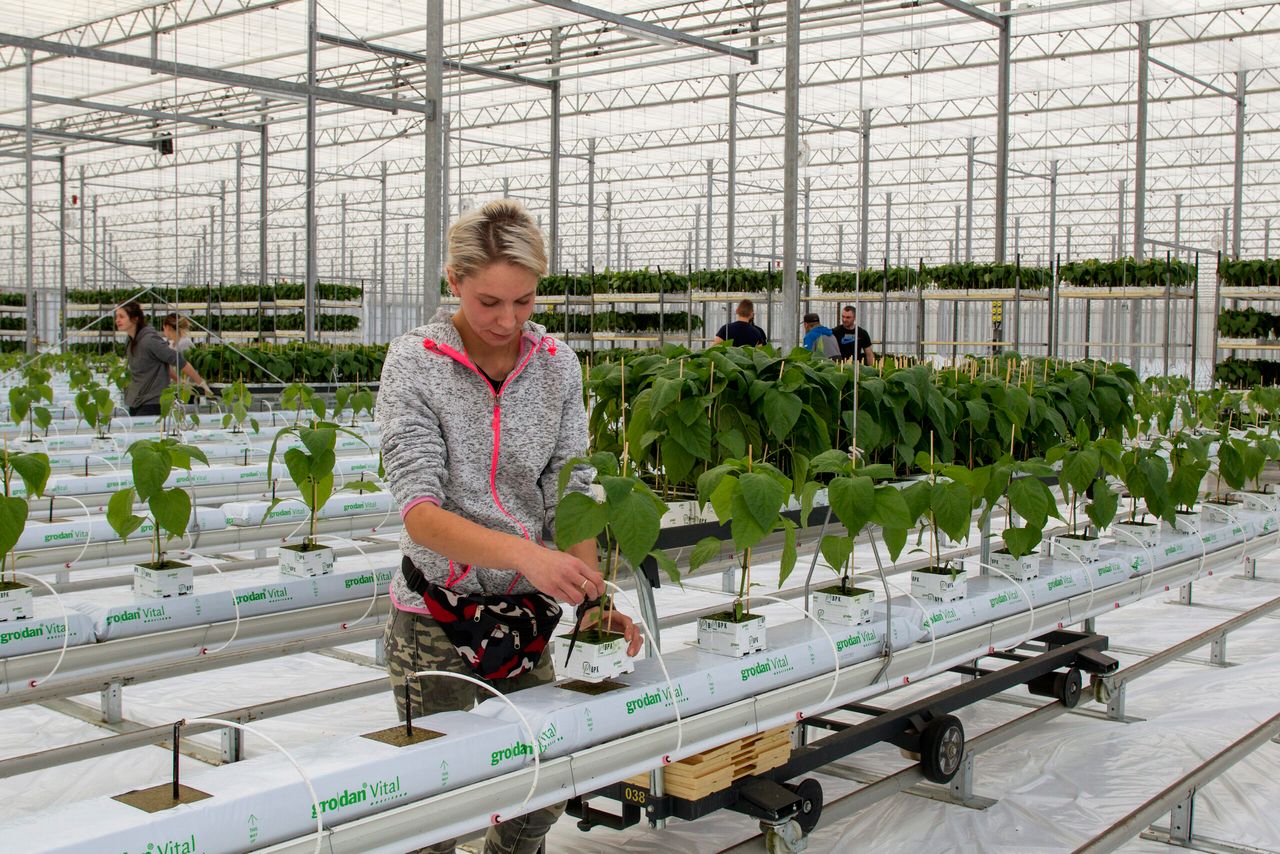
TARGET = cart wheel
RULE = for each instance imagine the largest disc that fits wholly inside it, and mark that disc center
(809, 791)
(942, 748)
(785, 838)
(1068, 687)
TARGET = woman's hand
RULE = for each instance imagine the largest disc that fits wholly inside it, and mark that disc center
(561, 575)
(617, 622)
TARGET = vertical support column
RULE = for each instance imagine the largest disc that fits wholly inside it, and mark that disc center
(808, 246)
(608, 231)
(384, 315)
(731, 190)
(955, 245)
(309, 181)
(222, 232)
(968, 201)
(554, 194)
(431, 175)
(864, 206)
(1218, 651)
(888, 228)
(840, 247)
(29, 213)
(264, 175)
(94, 253)
(446, 174)
(238, 223)
(1181, 818)
(343, 270)
(591, 205)
(1052, 315)
(1140, 144)
(233, 743)
(788, 329)
(698, 261)
(1237, 189)
(710, 199)
(83, 203)
(1177, 221)
(1266, 238)
(1002, 136)
(62, 250)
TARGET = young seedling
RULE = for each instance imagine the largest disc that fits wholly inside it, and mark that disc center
(96, 407)
(16, 602)
(24, 405)
(311, 468)
(236, 403)
(152, 461)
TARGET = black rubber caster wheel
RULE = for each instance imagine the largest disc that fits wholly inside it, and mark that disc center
(810, 793)
(942, 748)
(1068, 686)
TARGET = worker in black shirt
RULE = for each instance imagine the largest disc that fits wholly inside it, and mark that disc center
(853, 339)
(743, 332)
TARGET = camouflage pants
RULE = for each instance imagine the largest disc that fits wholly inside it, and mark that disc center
(415, 642)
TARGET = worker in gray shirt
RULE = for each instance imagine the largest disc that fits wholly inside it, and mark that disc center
(150, 358)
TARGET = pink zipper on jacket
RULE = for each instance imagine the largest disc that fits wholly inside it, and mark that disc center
(461, 358)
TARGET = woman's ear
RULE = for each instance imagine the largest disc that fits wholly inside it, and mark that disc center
(453, 282)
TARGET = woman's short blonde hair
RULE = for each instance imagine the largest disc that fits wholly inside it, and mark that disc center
(501, 231)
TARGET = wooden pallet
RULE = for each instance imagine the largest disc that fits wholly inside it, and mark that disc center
(716, 769)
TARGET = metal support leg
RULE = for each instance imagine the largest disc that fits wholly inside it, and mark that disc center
(962, 783)
(1115, 704)
(1250, 567)
(1218, 650)
(1180, 819)
(232, 744)
(113, 703)
(1184, 594)
(379, 653)
(1090, 625)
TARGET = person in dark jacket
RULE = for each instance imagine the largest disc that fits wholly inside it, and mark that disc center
(150, 358)
(743, 332)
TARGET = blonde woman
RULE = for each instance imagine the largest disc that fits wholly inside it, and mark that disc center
(480, 410)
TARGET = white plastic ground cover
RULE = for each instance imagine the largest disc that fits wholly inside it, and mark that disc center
(119, 614)
(262, 801)
(252, 513)
(75, 532)
(797, 654)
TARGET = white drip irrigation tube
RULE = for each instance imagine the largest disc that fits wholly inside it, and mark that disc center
(315, 802)
(110, 464)
(373, 569)
(235, 603)
(88, 536)
(835, 653)
(1088, 576)
(66, 628)
(1031, 609)
(1204, 552)
(1244, 529)
(1150, 557)
(533, 736)
(675, 701)
(933, 636)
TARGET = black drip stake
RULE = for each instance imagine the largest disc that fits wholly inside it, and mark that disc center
(177, 730)
(408, 712)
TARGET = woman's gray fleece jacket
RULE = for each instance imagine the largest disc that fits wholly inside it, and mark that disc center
(493, 458)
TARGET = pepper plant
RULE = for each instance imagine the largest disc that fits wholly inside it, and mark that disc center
(34, 471)
(94, 403)
(359, 399)
(300, 397)
(311, 468)
(24, 402)
(152, 461)
(1084, 461)
(236, 400)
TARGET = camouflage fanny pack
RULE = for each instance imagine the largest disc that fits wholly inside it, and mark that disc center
(500, 636)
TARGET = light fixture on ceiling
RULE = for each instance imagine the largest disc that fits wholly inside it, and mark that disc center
(646, 35)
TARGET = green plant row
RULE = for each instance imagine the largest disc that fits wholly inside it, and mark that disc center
(1248, 323)
(292, 362)
(221, 293)
(686, 412)
(13, 299)
(1252, 273)
(618, 321)
(648, 281)
(951, 277)
(1126, 272)
(235, 322)
(11, 322)
(1245, 373)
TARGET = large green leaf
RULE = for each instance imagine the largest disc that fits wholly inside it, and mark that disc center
(781, 411)
(762, 496)
(1231, 465)
(172, 511)
(635, 522)
(891, 509)
(836, 550)
(894, 540)
(788, 551)
(1079, 469)
(578, 518)
(34, 471)
(150, 469)
(120, 514)
(1021, 540)
(299, 466)
(723, 496)
(13, 521)
(853, 500)
(952, 506)
(1031, 500)
(706, 549)
(318, 440)
(1103, 503)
